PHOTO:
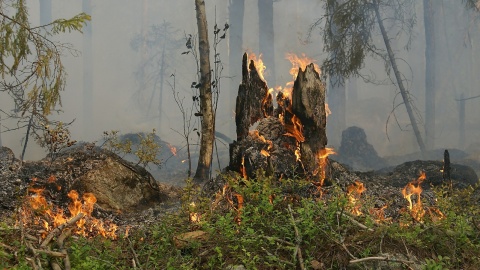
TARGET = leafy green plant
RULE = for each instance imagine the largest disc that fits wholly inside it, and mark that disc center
(145, 150)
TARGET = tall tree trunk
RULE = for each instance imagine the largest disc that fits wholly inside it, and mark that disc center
(266, 38)
(236, 12)
(206, 106)
(428, 18)
(87, 70)
(398, 77)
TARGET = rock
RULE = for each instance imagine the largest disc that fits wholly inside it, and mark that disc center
(356, 152)
(117, 184)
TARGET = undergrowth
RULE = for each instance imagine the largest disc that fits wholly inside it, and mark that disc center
(265, 224)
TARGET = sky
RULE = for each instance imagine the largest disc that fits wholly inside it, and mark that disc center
(116, 23)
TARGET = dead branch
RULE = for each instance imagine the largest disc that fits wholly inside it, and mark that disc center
(379, 259)
(6, 246)
(135, 257)
(298, 239)
(278, 240)
(355, 222)
(60, 228)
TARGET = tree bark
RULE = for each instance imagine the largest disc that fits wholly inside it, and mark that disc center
(428, 18)
(208, 122)
(398, 77)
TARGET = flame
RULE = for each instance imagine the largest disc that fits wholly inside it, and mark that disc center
(51, 219)
(264, 153)
(173, 149)
(322, 157)
(300, 62)
(327, 110)
(296, 129)
(194, 216)
(379, 214)
(414, 188)
(243, 170)
(258, 64)
(354, 191)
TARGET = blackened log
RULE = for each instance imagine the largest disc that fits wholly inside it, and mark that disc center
(253, 100)
(308, 104)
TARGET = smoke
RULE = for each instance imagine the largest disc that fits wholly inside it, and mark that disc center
(115, 87)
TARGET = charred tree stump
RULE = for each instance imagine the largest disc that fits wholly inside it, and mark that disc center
(253, 100)
(308, 104)
(287, 140)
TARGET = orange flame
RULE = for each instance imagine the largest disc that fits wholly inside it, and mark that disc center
(414, 188)
(322, 156)
(56, 218)
(258, 64)
(354, 191)
(300, 62)
(296, 129)
(173, 149)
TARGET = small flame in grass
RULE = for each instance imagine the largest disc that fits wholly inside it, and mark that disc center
(354, 191)
(173, 149)
(414, 188)
(379, 214)
(322, 157)
(44, 213)
(194, 216)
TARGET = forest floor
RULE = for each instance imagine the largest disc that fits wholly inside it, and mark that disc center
(259, 224)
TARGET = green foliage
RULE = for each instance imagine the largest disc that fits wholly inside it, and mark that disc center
(29, 61)
(145, 150)
(349, 29)
(264, 229)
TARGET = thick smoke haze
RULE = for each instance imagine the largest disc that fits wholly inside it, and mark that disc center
(118, 105)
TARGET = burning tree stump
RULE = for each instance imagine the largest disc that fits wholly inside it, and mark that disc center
(308, 104)
(254, 102)
(289, 140)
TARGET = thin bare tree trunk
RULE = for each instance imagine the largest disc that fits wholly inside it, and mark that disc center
(208, 122)
(87, 70)
(428, 18)
(398, 77)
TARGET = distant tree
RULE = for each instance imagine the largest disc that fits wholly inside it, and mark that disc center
(348, 36)
(429, 24)
(87, 56)
(158, 46)
(31, 70)
(206, 104)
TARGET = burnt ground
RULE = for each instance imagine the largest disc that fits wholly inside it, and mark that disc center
(383, 187)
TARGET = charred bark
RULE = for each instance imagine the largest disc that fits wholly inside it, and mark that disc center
(308, 104)
(253, 100)
(287, 140)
